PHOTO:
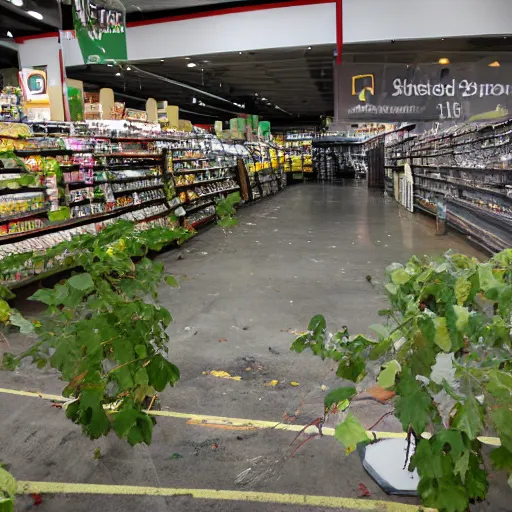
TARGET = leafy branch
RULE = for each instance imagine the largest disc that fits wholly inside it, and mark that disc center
(445, 350)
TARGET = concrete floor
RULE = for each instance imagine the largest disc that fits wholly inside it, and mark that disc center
(305, 251)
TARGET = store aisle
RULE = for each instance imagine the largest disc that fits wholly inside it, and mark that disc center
(305, 251)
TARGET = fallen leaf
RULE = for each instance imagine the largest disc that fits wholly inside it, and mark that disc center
(272, 383)
(37, 499)
(381, 394)
(324, 387)
(97, 454)
(57, 406)
(215, 446)
(222, 375)
(363, 491)
(176, 456)
(223, 340)
(294, 384)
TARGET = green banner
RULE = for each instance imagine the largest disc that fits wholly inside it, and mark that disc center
(100, 28)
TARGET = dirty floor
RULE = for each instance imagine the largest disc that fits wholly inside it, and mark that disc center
(305, 251)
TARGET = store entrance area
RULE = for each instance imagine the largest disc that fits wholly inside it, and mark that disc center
(244, 295)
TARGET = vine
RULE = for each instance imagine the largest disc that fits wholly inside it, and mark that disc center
(446, 351)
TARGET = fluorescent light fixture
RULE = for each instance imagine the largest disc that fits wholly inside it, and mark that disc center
(191, 65)
(109, 65)
(17, 3)
(35, 14)
(494, 64)
(444, 61)
(9, 34)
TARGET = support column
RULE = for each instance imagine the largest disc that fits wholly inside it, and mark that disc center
(44, 51)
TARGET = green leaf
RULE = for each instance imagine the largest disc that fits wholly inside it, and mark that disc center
(462, 466)
(338, 395)
(24, 325)
(462, 314)
(124, 420)
(414, 404)
(400, 276)
(92, 416)
(146, 427)
(382, 331)
(171, 281)
(469, 417)
(7, 483)
(227, 222)
(462, 290)
(82, 282)
(501, 458)
(5, 293)
(43, 295)
(162, 372)
(317, 326)
(391, 288)
(388, 374)
(381, 348)
(486, 277)
(442, 336)
(444, 494)
(5, 311)
(350, 433)
(427, 327)
(141, 377)
(233, 198)
(353, 369)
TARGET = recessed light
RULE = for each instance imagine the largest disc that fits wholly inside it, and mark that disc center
(35, 14)
(444, 61)
(494, 64)
(9, 34)
(240, 53)
(118, 74)
(187, 58)
(264, 99)
(191, 65)
(109, 65)
(128, 68)
(17, 3)
(309, 47)
(162, 60)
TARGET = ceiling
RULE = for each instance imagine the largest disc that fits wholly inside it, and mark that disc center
(299, 81)
(161, 5)
(19, 23)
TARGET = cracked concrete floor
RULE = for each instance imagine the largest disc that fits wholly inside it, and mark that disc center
(305, 251)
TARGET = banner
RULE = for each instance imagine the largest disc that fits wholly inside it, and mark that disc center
(100, 28)
(433, 92)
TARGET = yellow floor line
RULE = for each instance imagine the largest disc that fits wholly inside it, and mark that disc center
(211, 494)
(205, 419)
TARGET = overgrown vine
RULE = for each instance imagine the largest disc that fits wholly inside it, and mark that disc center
(446, 351)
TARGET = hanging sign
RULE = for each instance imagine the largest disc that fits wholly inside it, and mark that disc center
(100, 28)
(430, 93)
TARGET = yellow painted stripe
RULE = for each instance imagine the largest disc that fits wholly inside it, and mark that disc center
(211, 494)
(200, 419)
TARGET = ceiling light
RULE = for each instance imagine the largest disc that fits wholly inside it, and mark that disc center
(264, 99)
(494, 64)
(9, 34)
(187, 58)
(128, 68)
(118, 74)
(109, 65)
(35, 14)
(194, 101)
(191, 65)
(161, 60)
(309, 47)
(444, 61)
(17, 3)
(240, 53)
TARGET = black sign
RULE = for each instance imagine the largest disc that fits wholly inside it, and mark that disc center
(430, 93)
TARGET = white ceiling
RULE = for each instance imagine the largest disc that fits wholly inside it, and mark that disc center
(163, 5)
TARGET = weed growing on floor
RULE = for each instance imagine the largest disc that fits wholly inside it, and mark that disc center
(7, 490)
(446, 351)
(226, 212)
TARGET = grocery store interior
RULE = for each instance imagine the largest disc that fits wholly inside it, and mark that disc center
(270, 161)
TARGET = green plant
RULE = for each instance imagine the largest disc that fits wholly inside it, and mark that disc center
(226, 212)
(7, 491)
(103, 329)
(446, 351)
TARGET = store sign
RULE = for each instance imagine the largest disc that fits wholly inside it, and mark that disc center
(101, 30)
(430, 93)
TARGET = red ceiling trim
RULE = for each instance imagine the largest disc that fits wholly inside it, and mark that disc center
(21, 40)
(231, 10)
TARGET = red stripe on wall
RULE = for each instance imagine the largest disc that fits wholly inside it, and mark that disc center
(339, 29)
(231, 10)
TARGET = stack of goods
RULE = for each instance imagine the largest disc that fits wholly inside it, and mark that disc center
(11, 104)
(463, 172)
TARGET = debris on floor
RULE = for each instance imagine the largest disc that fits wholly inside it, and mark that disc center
(272, 383)
(363, 491)
(176, 455)
(222, 375)
(294, 384)
(223, 340)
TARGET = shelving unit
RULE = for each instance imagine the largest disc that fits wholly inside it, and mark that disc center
(464, 171)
